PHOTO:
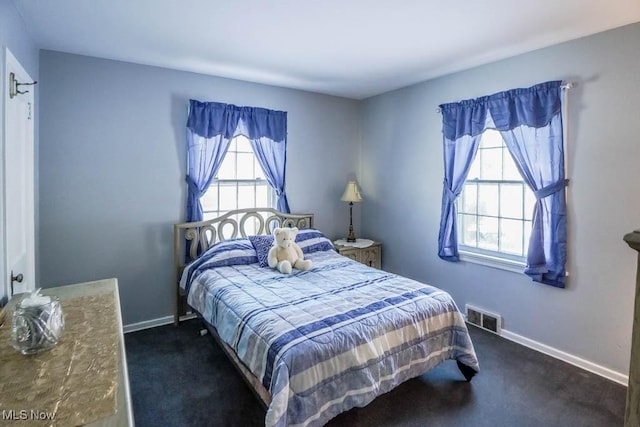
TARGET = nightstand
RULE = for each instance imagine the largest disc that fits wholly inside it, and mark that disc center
(371, 255)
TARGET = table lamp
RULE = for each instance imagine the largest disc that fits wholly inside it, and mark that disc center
(351, 194)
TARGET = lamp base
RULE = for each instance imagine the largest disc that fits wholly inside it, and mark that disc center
(352, 236)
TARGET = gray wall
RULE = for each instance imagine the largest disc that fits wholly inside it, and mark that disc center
(402, 173)
(113, 162)
(15, 36)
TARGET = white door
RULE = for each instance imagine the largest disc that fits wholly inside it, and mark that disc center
(18, 166)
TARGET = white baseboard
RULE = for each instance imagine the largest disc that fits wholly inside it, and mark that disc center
(161, 321)
(615, 376)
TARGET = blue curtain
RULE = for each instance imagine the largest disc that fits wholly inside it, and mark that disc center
(210, 128)
(458, 157)
(539, 156)
(205, 156)
(530, 122)
(272, 157)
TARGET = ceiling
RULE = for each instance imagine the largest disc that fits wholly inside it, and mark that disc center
(350, 48)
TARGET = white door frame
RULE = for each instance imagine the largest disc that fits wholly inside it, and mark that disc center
(10, 61)
(3, 108)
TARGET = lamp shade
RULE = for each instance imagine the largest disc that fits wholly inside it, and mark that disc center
(351, 193)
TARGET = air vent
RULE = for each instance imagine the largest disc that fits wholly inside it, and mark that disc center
(484, 319)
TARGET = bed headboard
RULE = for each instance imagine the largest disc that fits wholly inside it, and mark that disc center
(199, 236)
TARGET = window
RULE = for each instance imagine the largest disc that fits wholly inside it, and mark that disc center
(495, 210)
(496, 206)
(239, 183)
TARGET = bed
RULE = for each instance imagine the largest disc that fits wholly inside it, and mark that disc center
(316, 343)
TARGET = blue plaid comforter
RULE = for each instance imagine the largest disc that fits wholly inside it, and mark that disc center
(332, 338)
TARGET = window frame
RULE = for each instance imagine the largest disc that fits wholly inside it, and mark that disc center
(493, 258)
(239, 182)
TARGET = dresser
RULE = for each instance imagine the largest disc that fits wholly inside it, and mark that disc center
(632, 413)
(371, 255)
(85, 373)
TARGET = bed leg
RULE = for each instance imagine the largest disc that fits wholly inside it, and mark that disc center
(466, 371)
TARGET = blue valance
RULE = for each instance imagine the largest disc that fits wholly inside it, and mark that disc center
(209, 119)
(534, 107)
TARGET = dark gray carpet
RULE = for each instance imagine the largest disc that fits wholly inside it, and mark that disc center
(179, 378)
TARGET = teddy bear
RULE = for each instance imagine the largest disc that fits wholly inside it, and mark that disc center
(285, 253)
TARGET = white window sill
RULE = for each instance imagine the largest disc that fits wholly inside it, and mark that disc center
(492, 261)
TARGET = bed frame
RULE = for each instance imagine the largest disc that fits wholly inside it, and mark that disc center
(193, 238)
